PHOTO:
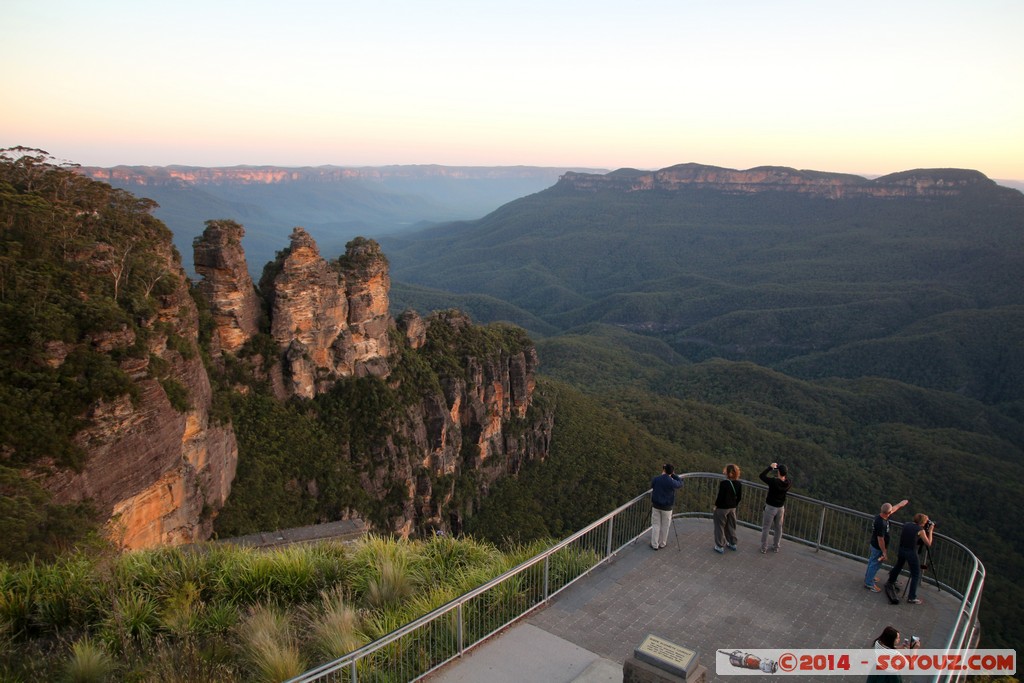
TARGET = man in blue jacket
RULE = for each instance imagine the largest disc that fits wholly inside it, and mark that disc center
(663, 500)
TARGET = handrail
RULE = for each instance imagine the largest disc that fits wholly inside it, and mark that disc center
(420, 647)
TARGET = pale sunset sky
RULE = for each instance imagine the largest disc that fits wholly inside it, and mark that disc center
(867, 87)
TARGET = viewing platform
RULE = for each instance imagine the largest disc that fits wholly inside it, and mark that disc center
(578, 611)
(696, 598)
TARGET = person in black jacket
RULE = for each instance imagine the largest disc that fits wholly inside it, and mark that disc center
(730, 492)
(918, 531)
(774, 505)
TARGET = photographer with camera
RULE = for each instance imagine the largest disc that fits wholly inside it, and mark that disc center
(663, 500)
(919, 531)
(889, 641)
(774, 505)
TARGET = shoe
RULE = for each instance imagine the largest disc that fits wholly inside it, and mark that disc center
(662, 546)
(654, 547)
(775, 550)
(916, 601)
(764, 551)
(732, 546)
(719, 549)
(874, 589)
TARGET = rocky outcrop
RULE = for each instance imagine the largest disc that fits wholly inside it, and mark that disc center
(157, 470)
(923, 183)
(308, 312)
(411, 325)
(220, 261)
(482, 423)
(330, 319)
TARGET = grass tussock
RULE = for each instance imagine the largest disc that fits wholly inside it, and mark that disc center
(335, 626)
(269, 646)
(89, 663)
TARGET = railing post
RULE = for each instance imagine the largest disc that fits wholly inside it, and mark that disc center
(611, 533)
(459, 629)
(821, 529)
(354, 671)
(547, 563)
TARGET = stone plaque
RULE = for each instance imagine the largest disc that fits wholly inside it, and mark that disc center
(667, 656)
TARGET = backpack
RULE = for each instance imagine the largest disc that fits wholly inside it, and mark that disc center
(890, 592)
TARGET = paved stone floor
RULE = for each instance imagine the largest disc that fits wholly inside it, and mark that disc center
(696, 598)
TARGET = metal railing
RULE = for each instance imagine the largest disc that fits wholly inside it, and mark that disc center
(422, 646)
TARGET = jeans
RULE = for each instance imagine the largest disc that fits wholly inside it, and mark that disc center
(908, 556)
(874, 564)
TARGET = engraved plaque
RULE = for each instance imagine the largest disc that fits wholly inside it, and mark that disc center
(666, 655)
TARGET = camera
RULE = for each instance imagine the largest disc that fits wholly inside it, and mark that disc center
(928, 525)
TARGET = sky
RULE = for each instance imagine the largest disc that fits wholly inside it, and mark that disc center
(867, 87)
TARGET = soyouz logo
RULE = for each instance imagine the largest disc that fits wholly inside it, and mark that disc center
(840, 662)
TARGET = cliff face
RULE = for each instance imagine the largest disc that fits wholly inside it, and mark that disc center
(220, 262)
(924, 183)
(158, 472)
(329, 321)
(482, 422)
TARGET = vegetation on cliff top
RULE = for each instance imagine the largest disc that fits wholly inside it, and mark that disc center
(225, 613)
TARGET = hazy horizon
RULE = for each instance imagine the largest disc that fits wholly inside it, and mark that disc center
(870, 89)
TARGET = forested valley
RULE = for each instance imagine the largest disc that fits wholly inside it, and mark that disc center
(874, 343)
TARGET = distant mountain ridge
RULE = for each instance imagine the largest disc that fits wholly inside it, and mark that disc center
(268, 174)
(915, 183)
(825, 273)
(333, 203)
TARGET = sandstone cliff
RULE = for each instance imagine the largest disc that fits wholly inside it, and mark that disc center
(922, 183)
(123, 391)
(481, 424)
(331, 319)
(330, 323)
(156, 466)
(220, 262)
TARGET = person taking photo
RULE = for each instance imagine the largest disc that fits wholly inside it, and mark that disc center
(663, 500)
(774, 505)
(921, 529)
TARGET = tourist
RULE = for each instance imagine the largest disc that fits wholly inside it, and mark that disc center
(879, 543)
(919, 531)
(730, 492)
(774, 505)
(663, 500)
